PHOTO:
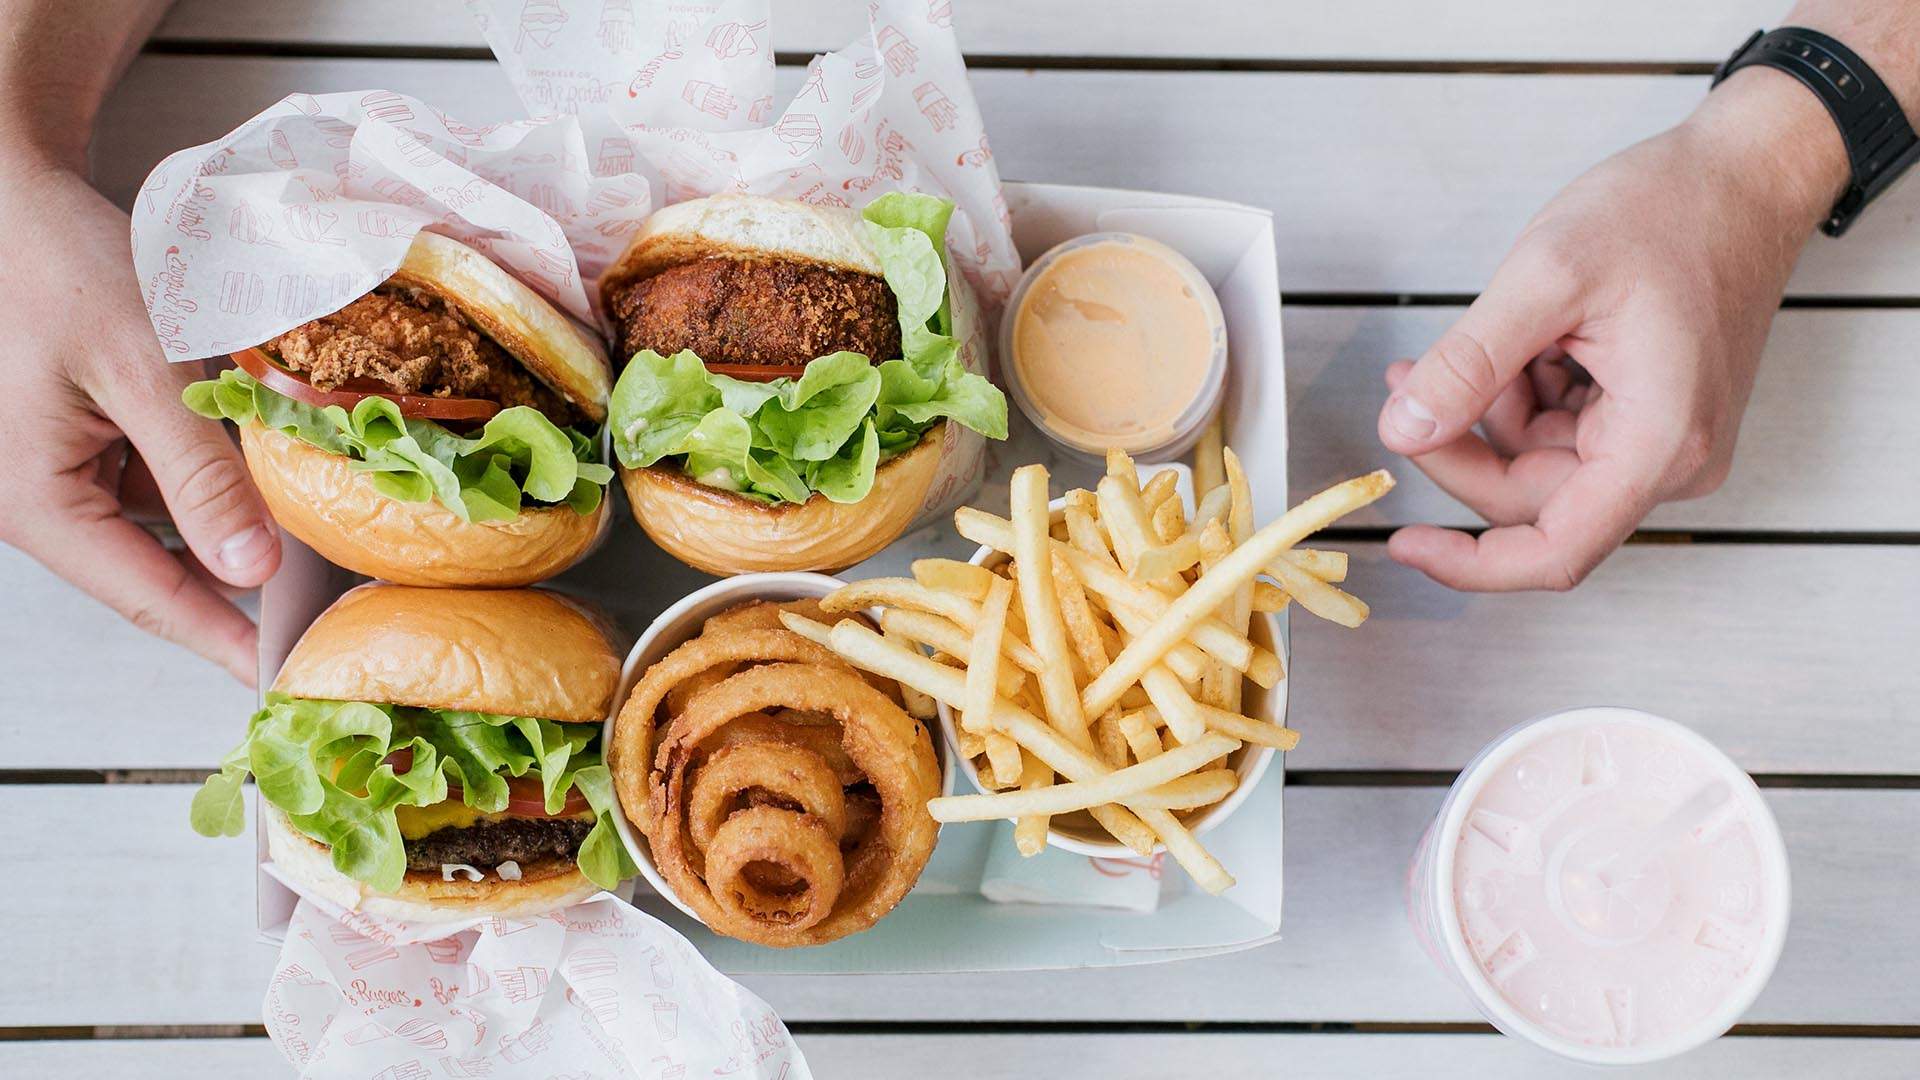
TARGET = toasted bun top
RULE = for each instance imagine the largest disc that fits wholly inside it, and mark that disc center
(740, 227)
(548, 344)
(520, 652)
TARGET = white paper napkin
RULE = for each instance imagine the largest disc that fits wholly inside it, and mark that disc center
(597, 990)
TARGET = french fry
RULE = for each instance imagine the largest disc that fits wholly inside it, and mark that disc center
(1168, 559)
(1175, 704)
(1142, 732)
(1209, 634)
(952, 576)
(1109, 741)
(1328, 566)
(1169, 518)
(1003, 758)
(1207, 468)
(1329, 602)
(918, 705)
(1030, 831)
(945, 636)
(1129, 528)
(903, 593)
(983, 671)
(1190, 792)
(1213, 506)
(1239, 609)
(1269, 598)
(1246, 728)
(1114, 787)
(1218, 682)
(1120, 467)
(1220, 583)
(1033, 548)
(1155, 492)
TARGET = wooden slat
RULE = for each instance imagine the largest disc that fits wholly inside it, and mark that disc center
(1366, 30)
(1379, 183)
(1795, 659)
(141, 922)
(1112, 1056)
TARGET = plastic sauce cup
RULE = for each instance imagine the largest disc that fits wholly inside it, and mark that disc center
(1603, 883)
(1137, 344)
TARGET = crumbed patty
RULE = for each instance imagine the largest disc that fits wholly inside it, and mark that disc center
(758, 311)
(412, 343)
(487, 844)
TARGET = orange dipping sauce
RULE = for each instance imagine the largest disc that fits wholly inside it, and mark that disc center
(1115, 341)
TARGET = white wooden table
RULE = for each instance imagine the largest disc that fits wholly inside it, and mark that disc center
(1401, 146)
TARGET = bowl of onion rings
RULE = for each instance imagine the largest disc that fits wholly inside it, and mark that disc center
(768, 789)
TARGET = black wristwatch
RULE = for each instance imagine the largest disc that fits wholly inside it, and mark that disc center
(1880, 141)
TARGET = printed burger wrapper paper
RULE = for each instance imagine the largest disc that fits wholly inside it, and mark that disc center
(314, 202)
(597, 990)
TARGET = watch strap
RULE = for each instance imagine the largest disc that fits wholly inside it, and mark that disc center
(1879, 140)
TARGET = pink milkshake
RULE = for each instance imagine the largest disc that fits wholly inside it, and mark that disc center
(1604, 883)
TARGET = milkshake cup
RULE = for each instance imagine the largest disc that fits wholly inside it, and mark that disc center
(1603, 883)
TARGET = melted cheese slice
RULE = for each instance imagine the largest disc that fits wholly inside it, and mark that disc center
(417, 821)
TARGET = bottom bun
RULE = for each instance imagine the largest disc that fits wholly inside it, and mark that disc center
(724, 533)
(308, 866)
(338, 512)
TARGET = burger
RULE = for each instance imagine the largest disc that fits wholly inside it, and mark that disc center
(793, 377)
(431, 754)
(440, 430)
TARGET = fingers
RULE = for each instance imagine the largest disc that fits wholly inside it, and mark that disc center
(1450, 387)
(199, 472)
(1505, 491)
(1579, 525)
(123, 566)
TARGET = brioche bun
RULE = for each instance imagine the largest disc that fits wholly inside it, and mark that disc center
(547, 885)
(520, 652)
(335, 510)
(724, 533)
(516, 652)
(549, 345)
(743, 227)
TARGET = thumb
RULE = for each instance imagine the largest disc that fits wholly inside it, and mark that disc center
(200, 473)
(1455, 381)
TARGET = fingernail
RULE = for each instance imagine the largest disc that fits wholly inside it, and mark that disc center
(1410, 418)
(246, 547)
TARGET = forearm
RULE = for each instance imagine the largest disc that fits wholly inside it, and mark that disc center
(1773, 137)
(58, 60)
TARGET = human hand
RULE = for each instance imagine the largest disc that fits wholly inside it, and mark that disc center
(85, 376)
(1658, 272)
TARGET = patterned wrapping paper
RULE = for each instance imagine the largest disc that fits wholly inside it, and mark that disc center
(597, 991)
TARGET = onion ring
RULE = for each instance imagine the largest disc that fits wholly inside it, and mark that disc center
(893, 751)
(630, 753)
(821, 738)
(787, 775)
(799, 844)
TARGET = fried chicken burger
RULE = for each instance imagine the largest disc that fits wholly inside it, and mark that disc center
(793, 375)
(431, 754)
(440, 430)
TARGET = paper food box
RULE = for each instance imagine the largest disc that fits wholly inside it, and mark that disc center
(946, 924)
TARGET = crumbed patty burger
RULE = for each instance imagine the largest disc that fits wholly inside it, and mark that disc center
(440, 430)
(793, 375)
(428, 754)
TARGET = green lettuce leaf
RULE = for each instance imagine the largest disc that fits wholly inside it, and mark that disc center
(517, 457)
(325, 765)
(828, 431)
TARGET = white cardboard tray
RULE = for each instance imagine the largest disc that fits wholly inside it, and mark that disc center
(944, 924)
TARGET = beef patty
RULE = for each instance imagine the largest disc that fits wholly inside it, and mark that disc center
(413, 343)
(758, 311)
(486, 844)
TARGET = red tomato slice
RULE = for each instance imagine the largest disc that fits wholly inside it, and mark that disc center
(525, 796)
(258, 364)
(759, 372)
